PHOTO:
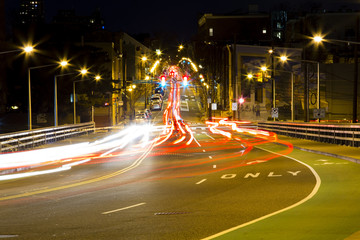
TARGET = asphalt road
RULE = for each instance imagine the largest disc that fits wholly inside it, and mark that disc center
(170, 191)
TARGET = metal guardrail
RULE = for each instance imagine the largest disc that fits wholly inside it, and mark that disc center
(348, 135)
(18, 141)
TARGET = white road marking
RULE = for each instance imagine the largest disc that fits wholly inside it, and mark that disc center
(124, 208)
(200, 182)
(209, 136)
(311, 195)
(210, 157)
(204, 150)
(197, 142)
(214, 166)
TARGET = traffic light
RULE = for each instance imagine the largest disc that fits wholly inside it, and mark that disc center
(185, 81)
(163, 81)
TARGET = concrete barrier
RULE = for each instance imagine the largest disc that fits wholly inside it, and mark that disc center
(23, 140)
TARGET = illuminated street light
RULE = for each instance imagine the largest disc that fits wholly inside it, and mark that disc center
(28, 49)
(97, 78)
(250, 76)
(318, 39)
(144, 58)
(283, 58)
(61, 64)
(82, 72)
(263, 68)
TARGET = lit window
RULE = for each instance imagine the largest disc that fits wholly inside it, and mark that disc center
(278, 35)
(211, 32)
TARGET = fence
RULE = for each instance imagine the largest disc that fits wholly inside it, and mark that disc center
(337, 134)
(29, 139)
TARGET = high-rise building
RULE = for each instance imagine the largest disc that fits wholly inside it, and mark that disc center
(31, 11)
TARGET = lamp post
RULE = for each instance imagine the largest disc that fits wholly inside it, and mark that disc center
(27, 49)
(319, 39)
(143, 60)
(97, 78)
(264, 69)
(82, 72)
(285, 59)
(29, 90)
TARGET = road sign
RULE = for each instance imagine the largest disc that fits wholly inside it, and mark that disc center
(319, 113)
(213, 106)
(234, 106)
(275, 112)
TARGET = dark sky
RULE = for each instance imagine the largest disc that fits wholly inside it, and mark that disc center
(139, 16)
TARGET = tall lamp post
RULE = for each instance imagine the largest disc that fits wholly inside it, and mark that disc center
(264, 69)
(82, 72)
(29, 88)
(97, 78)
(319, 39)
(27, 49)
(285, 59)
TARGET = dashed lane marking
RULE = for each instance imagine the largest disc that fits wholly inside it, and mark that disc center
(124, 208)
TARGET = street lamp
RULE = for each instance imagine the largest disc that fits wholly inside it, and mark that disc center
(318, 39)
(29, 88)
(285, 59)
(97, 78)
(264, 69)
(26, 49)
(131, 89)
(82, 72)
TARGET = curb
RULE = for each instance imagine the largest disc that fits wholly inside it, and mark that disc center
(355, 160)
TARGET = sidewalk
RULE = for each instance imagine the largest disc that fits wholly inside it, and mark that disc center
(333, 150)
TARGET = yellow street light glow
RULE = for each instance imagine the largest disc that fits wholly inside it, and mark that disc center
(271, 51)
(97, 77)
(264, 69)
(130, 89)
(318, 39)
(158, 52)
(28, 49)
(133, 86)
(83, 71)
(144, 58)
(147, 78)
(250, 76)
(63, 63)
(283, 58)
(181, 47)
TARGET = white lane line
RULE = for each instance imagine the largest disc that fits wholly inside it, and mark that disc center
(209, 136)
(197, 142)
(200, 182)
(311, 195)
(124, 208)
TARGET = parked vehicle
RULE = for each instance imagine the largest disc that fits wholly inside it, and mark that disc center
(155, 105)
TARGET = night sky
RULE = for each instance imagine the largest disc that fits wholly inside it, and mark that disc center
(140, 16)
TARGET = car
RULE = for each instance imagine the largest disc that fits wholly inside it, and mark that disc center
(156, 98)
(155, 105)
(141, 118)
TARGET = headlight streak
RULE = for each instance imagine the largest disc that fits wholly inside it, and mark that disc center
(75, 154)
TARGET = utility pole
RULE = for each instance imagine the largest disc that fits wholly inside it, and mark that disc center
(356, 74)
